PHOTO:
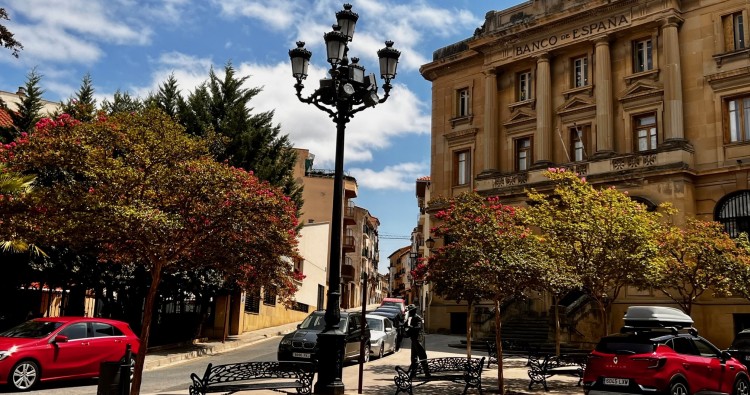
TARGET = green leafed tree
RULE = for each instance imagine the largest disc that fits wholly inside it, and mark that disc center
(27, 112)
(121, 102)
(82, 106)
(488, 254)
(169, 99)
(136, 189)
(696, 258)
(252, 141)
(608, 239)
(7, 38)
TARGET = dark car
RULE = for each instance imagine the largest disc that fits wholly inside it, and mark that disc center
(659, 352)
(56, 348)
(740, 347)
(302, 344)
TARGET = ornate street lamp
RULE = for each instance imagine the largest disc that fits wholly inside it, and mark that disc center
(348, 91)
(430, 243)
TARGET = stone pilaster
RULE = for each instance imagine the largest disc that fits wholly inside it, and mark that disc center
(603, 94)
(490, 121)
(543, 134)
(673, 114)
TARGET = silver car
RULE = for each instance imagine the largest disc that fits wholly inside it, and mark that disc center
(382, 335)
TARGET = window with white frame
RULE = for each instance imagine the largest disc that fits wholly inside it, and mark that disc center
(738, 117)
(462, 167)
(523, 154)
(462, 104)
(578, 143)
(645, 131)
(580, 71)
(642, 55)
(524, 86)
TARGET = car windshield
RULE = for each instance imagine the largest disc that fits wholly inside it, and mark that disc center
(741, 342)
(375, 324)
(395, 304)
(317, 322)
(32, 329)
(625, 345)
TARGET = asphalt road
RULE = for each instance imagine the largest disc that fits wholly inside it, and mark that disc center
(174, 378)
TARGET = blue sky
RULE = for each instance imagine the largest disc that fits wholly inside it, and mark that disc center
(134, 45)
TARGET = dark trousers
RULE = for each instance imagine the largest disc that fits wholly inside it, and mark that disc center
(418, 353)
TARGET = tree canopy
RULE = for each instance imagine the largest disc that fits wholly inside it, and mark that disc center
(695, 258)
(606, 237)
(487, 255)
(135, 188)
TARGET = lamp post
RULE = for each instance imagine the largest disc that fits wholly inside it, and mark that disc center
(347, 92)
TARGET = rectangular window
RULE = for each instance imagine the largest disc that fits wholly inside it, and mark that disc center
(299, 265)
(578, 143)
(642, 56)
(462, 106)
(645, 132)
(524, 86)
(462, 168)
(252, 302)
(523, 154)
(580, 72)
(269, 297)
(734, 31)
(738, 112)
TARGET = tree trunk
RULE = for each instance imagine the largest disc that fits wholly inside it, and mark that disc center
(153, 290)
(556, 303)
(469, 317)
(603, 317)
(499, 343)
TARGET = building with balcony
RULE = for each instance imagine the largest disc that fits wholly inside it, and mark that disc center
(361, 259)
(652, 97)
(399, 267)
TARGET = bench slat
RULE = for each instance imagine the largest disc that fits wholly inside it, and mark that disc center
(230, 378)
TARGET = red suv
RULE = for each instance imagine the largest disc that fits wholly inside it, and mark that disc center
(658, 351)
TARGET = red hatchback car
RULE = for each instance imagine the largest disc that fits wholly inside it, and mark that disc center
(658, 352)
(55, 348)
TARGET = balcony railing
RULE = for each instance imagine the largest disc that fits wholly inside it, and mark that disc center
(348, 243)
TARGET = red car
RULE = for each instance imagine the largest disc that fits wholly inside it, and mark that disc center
(658, 352)
(55, 348)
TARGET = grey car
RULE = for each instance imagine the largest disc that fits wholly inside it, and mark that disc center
(382, 335)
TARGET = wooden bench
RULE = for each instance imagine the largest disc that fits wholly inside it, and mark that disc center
(511, 348)
(552, 365)
(462, 370)
(248, 376)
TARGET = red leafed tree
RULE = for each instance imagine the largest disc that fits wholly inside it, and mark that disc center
(135, 188)
(487, 254)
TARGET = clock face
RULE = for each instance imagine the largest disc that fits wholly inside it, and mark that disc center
(348, 89)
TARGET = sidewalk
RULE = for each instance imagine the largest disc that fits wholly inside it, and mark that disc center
(378, 373)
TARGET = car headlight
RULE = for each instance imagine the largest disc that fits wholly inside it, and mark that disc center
(5, 354)
(286, 342)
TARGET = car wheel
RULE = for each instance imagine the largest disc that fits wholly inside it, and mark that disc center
(382, 352)
(24, 375)
(132, 365)
(741, 387)
(368, 350)
(678, 388)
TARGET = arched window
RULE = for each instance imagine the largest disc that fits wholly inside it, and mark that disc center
(650, 206)
(733, 211)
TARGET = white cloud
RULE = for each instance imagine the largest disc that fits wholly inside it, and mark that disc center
(73, 31)
(400, 177)
(408, 25)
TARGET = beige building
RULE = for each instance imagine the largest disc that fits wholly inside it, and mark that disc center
(360, 255)
(652, 97)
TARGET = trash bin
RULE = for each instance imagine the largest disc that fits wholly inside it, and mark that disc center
(110, 383)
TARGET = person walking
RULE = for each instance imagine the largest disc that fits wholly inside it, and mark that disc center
(414, 326)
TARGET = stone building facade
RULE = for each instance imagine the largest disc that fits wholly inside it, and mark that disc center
(651, 96)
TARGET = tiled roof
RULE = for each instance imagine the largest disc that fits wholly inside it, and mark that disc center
(425, 178)
(5, 120)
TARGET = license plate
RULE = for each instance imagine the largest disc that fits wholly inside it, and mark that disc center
(301, 355)
(615, 381)
(747, 357)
